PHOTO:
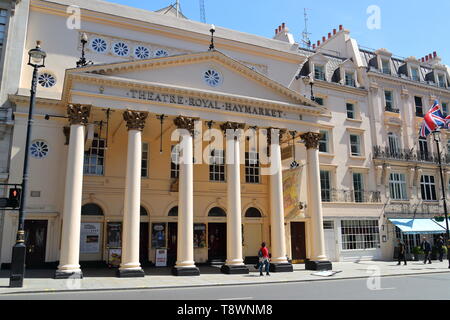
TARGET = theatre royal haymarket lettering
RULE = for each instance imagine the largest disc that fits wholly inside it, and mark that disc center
(204, 103)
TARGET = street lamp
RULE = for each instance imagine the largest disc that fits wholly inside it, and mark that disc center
(212, 30)
(447, 242)
(36, 60)
(311, 83)
(83, 62)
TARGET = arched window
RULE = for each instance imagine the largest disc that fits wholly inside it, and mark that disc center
(143, 211)
(91, 209)
(217, 212)
(173, 212)
(253, 213)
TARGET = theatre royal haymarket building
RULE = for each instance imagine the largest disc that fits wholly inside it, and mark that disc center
(171, 147)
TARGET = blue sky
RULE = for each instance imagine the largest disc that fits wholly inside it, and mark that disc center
(407, 27)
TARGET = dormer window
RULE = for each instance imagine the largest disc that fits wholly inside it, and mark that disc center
(319, 72)
(415, 74)
(350, 79)
(441, 81)
(385, 66)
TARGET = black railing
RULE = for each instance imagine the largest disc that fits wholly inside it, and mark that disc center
(386, 153)
(351, 196)
(390, 109)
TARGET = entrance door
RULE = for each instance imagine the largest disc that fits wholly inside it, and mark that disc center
(143, 243)
(298, 242)
(172, 243)
(217, 241)
(35, 240)
(330, 240)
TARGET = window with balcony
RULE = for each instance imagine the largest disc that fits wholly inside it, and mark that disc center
(355, 145)
(325, 185)
(324, 142)
(389, 100)
(419, 106)
(423, 149)
(394, 144)
(350, 79)
(397, 186)
(358, 187)
(319, 72)
(428, 188)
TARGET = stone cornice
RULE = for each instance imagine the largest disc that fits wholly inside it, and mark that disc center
(162, 88)
(340, 87)
(399, 80)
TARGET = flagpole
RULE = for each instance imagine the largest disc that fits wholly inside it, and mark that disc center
(436, 139)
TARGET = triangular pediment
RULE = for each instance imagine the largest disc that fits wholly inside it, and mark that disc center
(211, 71)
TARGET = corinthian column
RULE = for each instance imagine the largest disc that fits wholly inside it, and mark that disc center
(234, 263)
(279, 262)
(69, 265)
(185, 265)
(130, 265)
(318, 259)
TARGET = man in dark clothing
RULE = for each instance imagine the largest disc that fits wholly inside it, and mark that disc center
(426, 247)
(401, 252)
(440, 245)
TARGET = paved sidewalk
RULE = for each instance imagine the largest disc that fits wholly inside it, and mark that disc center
(104, 279)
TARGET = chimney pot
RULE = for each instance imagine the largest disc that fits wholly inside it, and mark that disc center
(435, 54)
(329, 35)
(314, 46)
(324, 39)
(283, 25)
(279, 28)
(430, 56)
(318, 43)
(426, 58)
(276, 31)
(341, 27)
(334, 31)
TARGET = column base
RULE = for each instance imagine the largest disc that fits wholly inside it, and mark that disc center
(281, 267)
(318, 265)
(185, 272)
(130, 273)
(232, 269)
(68, 275)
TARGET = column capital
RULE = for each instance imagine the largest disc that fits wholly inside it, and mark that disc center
(78, 113)
(311, 140)
(234, 126)
(185, 123)
(135, 119)
(281, 133)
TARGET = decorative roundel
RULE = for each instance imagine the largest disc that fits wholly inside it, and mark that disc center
(142, 52)
(121, 49)
(212, 77)
(39, 149)
(46, 80)
(99, 45)
(161, 53)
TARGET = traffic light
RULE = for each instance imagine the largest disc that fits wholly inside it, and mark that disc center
(14, 198)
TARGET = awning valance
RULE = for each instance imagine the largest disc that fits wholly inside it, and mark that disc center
(418, 226)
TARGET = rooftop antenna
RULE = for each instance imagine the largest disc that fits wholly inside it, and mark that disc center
(178, 7)
(202, 11)
(305, 34)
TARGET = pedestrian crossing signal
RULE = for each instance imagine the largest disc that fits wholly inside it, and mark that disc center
(14, 198)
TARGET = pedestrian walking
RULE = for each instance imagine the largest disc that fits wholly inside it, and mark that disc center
(401, 252)
(263, 255)
(440, 245)
(426, 247)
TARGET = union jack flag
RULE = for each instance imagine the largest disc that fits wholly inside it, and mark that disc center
(432, 120)
(447, 122)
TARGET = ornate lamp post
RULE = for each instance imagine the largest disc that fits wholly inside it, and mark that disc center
(83, 62)
(36, 60)
(212, 30)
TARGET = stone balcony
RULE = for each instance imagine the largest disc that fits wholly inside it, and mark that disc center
(385, 153)
(351, 196)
